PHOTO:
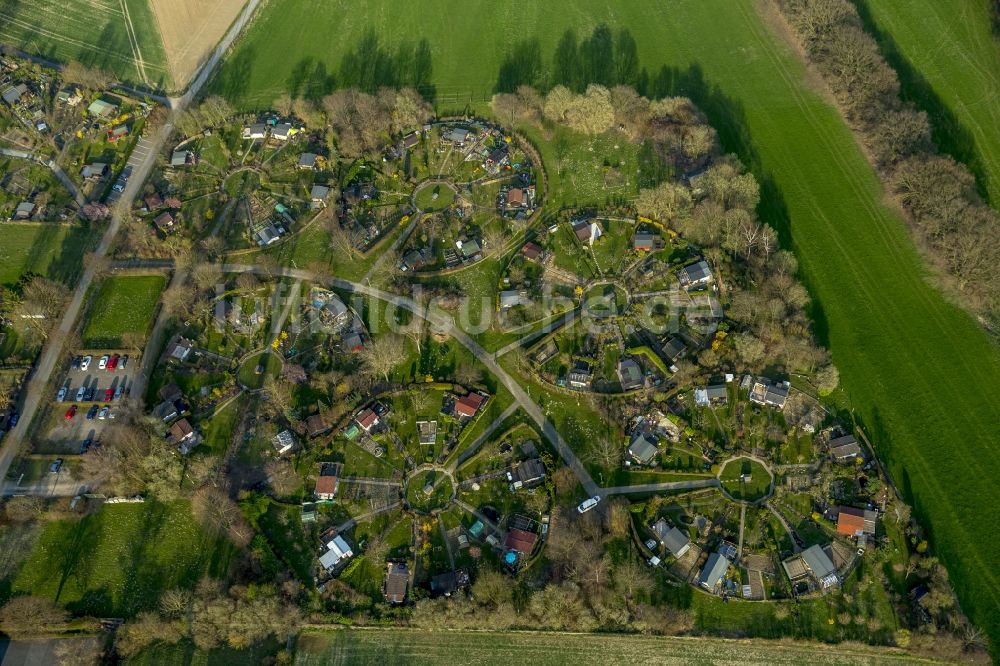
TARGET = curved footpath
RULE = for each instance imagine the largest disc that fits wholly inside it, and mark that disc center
(521, 397)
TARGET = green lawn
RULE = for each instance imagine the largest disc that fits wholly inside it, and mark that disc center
(752, 489)
(428, 648)
(267, 363)
(92, 32)
(55, 251)
(920, 372)
(949, 63)
(124, 305)
(119, 560)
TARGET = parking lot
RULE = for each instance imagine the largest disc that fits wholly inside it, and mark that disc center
(95, 393)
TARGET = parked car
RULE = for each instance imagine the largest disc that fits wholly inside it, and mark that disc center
(588, 504)
(91, 413)
(103, 363)
(76, 362)
(62, 394)
(119, 391)
(113, 413)
(124, 362)
(90, 392)
(81, 393)
(14, 418)
(85, 446)
(108, 394)
(113, 362)
(70, 413)
(103, 414)
(85, 363)
(55, 466)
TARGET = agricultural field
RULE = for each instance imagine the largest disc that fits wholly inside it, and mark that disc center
(909, 360)
(948, 60)
(119, 36)
(123, 307)
(190, 29)
(55, 251)
(119, 560)
(399, 646)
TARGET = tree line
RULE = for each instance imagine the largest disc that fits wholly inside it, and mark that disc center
(955, 227)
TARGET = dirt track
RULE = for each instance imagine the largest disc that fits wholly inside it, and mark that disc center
(190, 29)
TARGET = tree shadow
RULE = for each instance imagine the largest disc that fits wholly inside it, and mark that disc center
(370, 66)
(234, 79)
(522, 66)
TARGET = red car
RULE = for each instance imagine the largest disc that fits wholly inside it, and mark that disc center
(113, 363)
(108, 394)
(70, 413)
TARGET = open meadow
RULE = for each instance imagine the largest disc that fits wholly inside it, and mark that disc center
(400, 646)
(119, 560)
(124, 304)
(119, 36)
(919, 371)
(55, 251)
(948, 59)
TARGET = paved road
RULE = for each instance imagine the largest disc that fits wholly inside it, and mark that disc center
(445, 323)
(565, 319)
(56, 169)
(52, 353)
(666, 486)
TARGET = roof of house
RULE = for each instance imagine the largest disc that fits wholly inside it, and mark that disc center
(696, 272)
(854, 522)
(471, 248)
(671, 537)
(338, 551)
(455, 134)
(316, 425)
(179, 158)
(25, 208)
(819, 563)
(411, 139)
(530, 470)
(644, 240)
(284, 440)
(713, 571)
(282, 129)
(397, 579)
(521, 541)
(100, 107)
(515, 196)
(531, 251)
(319, 192)
(307, 160)
(164, 220)
(327, 485)
(95, 169)
(674, 347)
(367, 419)
(181, 430)
(629, 373)
(642, 447)
(511, 298)
(708, 395)
(468, 405)
(13, 94)
(845, 447)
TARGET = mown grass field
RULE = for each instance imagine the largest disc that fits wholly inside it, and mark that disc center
(919, 372)
(119, 560)
(93, 32)
(124, 304)
(949, 62)
(55, 251)
(390, 647)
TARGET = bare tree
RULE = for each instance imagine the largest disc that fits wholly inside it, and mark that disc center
(217, 513)
(382, 354)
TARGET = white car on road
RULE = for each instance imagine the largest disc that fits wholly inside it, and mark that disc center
(588, 504)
